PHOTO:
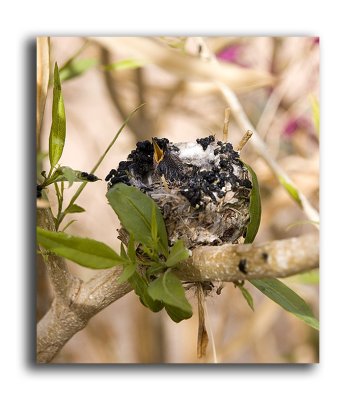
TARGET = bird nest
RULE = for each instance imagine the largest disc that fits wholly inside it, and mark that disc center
(202, 188)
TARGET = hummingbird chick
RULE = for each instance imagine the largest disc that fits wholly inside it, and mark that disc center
(166, 163)
(208, 196)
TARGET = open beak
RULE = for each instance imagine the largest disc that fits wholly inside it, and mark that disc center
(158, 153)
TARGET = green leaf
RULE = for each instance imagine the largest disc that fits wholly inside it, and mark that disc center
(292, 191)
(140, 287)
(58, 128)
(155, 269)
(123, 252)
(128, 63)
(128, 271)
(247, 296)
(177, 314)
(134, 210)
(86, 252)
(131, 250)
(254, 208)
(168, 289)
(74, 208)
(69, 174)
(177, 253)
(287, 299)
(305, 278)
(75, 68)
(154, 228)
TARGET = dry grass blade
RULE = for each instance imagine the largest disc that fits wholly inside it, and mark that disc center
(203, 338)
(43, 63)
(184, 65)
(226, 124)
(245, 138)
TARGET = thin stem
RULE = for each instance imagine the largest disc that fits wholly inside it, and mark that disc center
(82, 186)
(59, 194)
(76, 54)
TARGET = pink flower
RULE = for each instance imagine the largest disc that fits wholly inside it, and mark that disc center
(232, 54)
(295, 124)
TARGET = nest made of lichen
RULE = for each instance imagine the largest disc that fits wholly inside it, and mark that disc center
(202, 188)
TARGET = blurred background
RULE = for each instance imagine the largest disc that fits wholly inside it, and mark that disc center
(277, 82)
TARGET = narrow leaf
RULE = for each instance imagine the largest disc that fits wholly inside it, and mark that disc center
(254, 208)
(305, 278)
(58, 128)
(247, 296)
(134, 210)
(168, 289)
(177, 253)
(292, 191)
(123, 252)
(128, 63)
(67, 174)
(75, 68)
(86, 252)
(287, 299)
(74, 208)
(131, 250)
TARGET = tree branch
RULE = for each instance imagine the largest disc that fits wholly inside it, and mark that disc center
(59, 276)
(227, 263)
(233, 262)
(66, 318)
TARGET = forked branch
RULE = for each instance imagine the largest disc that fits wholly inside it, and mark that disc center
(228, 263)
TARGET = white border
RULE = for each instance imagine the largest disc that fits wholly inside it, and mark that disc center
(334, 23)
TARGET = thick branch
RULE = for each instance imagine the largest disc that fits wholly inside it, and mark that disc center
(232, 262)
(227, 263)
(65, 319)
(60, 278)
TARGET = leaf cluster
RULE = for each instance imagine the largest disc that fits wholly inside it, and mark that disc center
(157, 286)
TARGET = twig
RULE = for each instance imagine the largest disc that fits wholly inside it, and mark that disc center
(245, 138)
(96, 166)
(226, 124)
(208, 263)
